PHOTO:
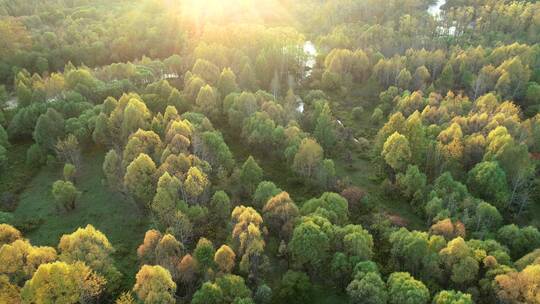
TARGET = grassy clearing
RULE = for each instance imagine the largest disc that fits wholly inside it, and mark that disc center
(119, 219)
(17, 174)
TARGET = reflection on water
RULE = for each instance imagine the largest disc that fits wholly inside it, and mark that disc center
(435, 9)
(311, 52)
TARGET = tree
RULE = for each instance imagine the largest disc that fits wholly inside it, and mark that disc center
(368, 290)
(280, 212)
(324, 128)
(308, 158)
(125, 298)
(92, 247)
(459, 260)
(21, 260)
(9, 293)
(226, 289)
(488, 181)
(187, 270)
(265, 190)
(412, 183)
(3, 137)
(101, 134)
(154, 285)
(207, 70)
(204, 255)
(209, 293)
(396, 151)
(59, 282)
(142, 141)
(112, 168)
(309, 243)
(411, 251)
(220, 206)
(248, 239)
(135, 115)
(68, 150)
(403, 288)
(330, 205)
(208, 102)
(146, 252)
(404, 79)
(227, 82)
(168, 253)
(250, 176)
(488, 217)
(8, 234)
(65, 194)
(49, 128)
(247, 78)
(195, 184)
(520, 241)
(224, 259)
(69, 172)
(446, 79)
(518, 287)
(448, 229)
(295, 287)
(263, 294)
(452, 297)
(164, 204)
(139, 179)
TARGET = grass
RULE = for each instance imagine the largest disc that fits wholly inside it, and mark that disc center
(119, 219)
(16, 174)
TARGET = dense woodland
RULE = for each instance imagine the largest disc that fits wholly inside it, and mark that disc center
(273, 151)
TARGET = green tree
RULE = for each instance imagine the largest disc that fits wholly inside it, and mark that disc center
(65, 194)
(310, 244)
(368, 290)
(112, 168)
(295, 287)
(227, 82)
(250, 176)
(220, 206)
(204, 255)
(520, 241)
(446, 79)
(396, 151)
(265, 190)
(49, 128)
(208, 102)
(404, 79)
(330, 205)
(452, 297)
(4, 142)
(139, 179)
(488, 181)
(403, 288)
(458, 258)
(324, 128)
(101, 130)
(413, 183)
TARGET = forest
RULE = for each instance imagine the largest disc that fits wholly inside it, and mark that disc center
(269, 151)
